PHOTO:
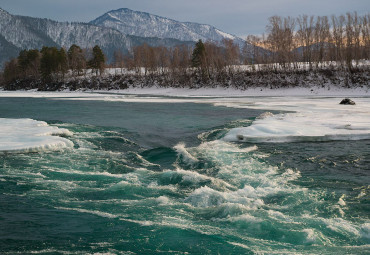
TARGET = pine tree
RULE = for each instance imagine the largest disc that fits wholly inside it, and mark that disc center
(29, 62)
(199, 59)
(11, 70)
(23, 60)
(49, 62)
(62, 62)
(198, 56)
(98, 61)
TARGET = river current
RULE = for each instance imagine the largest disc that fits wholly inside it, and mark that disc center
(160, 175)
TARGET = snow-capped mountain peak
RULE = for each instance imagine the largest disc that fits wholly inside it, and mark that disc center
(149, 25)
(21, 32)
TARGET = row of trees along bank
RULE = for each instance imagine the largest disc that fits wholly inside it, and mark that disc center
(289, 43)
(52, 64)
(313, 40)
(317, 42)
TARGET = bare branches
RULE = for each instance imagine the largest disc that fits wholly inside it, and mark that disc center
(312, 40)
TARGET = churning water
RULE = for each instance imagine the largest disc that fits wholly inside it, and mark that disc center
(152, 176)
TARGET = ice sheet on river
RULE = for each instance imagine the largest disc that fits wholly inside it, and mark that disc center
(27, 135)
(319, 119)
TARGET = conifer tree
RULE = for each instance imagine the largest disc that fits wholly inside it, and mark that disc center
(199, 59)
(29, 62)
(23, 60)
(62, 62)
(49, 62)
(98, 60)
(11, 70)
(198, 54)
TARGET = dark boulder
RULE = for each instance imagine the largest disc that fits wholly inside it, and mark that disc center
(347, 101)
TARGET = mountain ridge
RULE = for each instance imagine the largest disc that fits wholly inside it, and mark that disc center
(120, 29)
(23, 32)
(146, 24)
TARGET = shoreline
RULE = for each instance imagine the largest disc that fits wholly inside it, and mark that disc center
(250, 92)
(315, 91)
(321, 82)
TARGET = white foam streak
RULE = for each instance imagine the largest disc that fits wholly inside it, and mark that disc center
(223, 147)
(94, 212)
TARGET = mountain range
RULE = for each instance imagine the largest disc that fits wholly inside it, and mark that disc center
(148, 25)
(120, 29)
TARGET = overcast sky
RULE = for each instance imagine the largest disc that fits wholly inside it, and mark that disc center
(238, 17)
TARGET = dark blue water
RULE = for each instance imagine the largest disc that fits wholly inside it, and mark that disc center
(155, 178)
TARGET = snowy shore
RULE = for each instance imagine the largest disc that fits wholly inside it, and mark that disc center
(329, 91)
(254, 92)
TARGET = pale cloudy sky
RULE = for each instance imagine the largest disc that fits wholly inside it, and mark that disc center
(239, 17)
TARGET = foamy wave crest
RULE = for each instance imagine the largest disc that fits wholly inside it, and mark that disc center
(27, 135)
(207, 197)
(186, 156)
(365, 231)
(192, 179)
(220, 146)
(249, 180)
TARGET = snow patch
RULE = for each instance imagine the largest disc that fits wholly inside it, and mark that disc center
(314, 119)
(27, 135)
(226, 35)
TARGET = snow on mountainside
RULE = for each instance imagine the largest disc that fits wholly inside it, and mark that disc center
(65, 34)
(21, 32)
(148, 25)
(116, 30)
(7, 50)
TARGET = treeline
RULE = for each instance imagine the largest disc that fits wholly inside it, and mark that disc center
(305, 42)
(175, 64)
(289, 45)
(312, 39)
(207, 57)
(51, 64)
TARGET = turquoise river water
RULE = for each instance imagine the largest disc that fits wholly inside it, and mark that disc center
(157, 178)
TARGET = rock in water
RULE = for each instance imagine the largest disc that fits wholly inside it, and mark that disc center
(347, 101)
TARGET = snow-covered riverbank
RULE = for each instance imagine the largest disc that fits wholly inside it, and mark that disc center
(258, 91)
(329, 91)
(266, 83)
